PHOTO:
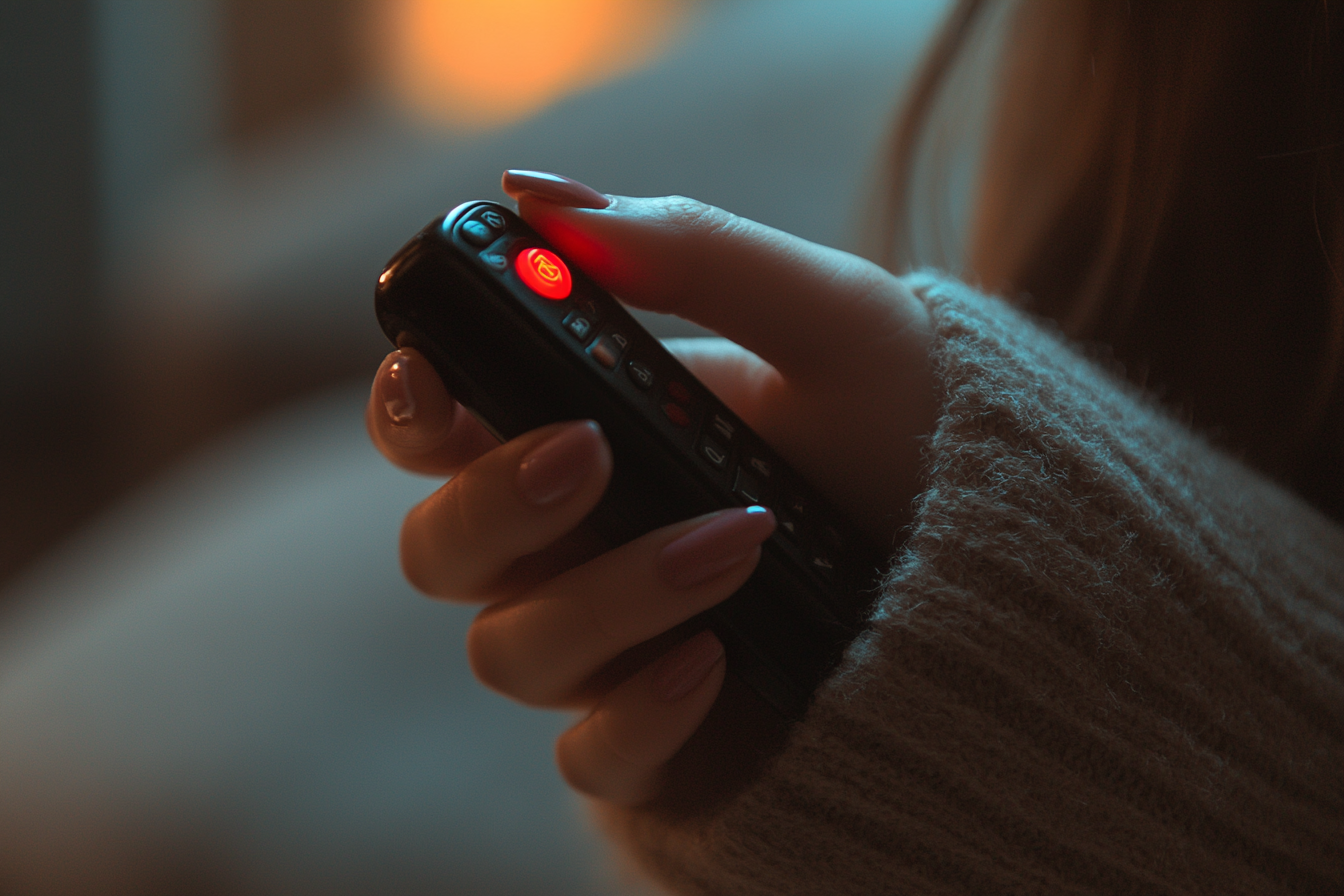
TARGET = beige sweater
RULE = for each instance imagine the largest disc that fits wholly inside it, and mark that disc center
(1107, 660)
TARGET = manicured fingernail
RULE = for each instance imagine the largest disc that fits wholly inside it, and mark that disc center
(394, 389)
(723, 541)
(555, 469)
(685, 666)
(418, 408)
(553, 188)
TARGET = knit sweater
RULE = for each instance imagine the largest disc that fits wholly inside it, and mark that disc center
(1108, 659)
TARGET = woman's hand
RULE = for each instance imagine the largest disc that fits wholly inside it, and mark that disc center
(833, 372)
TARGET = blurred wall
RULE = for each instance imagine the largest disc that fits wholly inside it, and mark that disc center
(200, 193)
(53, 368)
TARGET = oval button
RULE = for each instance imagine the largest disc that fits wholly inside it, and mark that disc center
(544, 273)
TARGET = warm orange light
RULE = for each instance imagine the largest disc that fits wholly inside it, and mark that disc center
(486, 62)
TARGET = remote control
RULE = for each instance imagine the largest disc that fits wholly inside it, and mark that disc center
(521, 339)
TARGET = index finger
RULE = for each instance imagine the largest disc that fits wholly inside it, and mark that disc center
(810, 311)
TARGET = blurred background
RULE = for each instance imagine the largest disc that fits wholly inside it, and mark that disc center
(198, 194)
(197, 198)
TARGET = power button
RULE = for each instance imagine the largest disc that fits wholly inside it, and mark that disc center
(544, 273)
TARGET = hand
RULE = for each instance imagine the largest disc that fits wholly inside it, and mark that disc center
(829, 363)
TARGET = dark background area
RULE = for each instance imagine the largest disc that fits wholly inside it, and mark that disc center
(90, 409)
(56, 398)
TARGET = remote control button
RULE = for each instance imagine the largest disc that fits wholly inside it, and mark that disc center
(747, 487)
(477, 234)
(678, 393)
(544, 273)
(495, 260)
(761, 466)
(723, 427)
(493, 219)
(640, 374)
(677, 414)
(792, 513)
(714, 452)
(607, 350)
(578, 326)
(822, 565)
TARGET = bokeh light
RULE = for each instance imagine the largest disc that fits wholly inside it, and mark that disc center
(483, 63)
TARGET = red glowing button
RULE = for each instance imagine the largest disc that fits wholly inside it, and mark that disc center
(544, 272)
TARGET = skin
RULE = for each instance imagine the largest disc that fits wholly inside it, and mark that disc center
(828, 360)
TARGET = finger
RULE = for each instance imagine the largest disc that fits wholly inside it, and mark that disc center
(805, 308)
(416, 424)
(617, 753)
(738, 377)
(508, 503)
(543, 647)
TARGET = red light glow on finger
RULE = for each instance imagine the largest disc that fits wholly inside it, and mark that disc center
(544, 273)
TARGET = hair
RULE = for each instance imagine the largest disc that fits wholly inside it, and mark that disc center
(1166, 179)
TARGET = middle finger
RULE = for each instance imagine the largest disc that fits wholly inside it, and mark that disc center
(542, 647)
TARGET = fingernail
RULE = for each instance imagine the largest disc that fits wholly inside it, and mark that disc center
(685, 666)
(714, 547)
(561, 464)
(419, 409)
(394, 389)
(553, 188)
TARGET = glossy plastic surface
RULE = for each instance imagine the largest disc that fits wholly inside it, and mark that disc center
(519, 359)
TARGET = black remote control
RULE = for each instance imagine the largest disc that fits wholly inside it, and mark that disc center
(523, 340)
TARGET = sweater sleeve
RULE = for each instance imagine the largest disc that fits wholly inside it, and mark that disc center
(1108, 659)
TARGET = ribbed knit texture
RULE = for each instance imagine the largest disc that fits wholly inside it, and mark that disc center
(1108, 660)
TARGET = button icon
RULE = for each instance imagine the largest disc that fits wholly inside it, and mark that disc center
(748, 488)
(544, 272)
(642, 376)
(493, 219)
(477, 233)
(495, 260)
(724, 428)
(580, 326)
(716, 454)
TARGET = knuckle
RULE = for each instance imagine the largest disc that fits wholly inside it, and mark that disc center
(445, 544)
(498, 663)
(577, 773)
(610, 622)
(488, 658)
(466, 509)
(418, 565)
(693, 216)
(591, 763)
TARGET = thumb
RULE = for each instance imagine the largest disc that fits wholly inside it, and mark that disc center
(812, 312)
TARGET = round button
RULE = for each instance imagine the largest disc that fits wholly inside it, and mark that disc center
(544, 273)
